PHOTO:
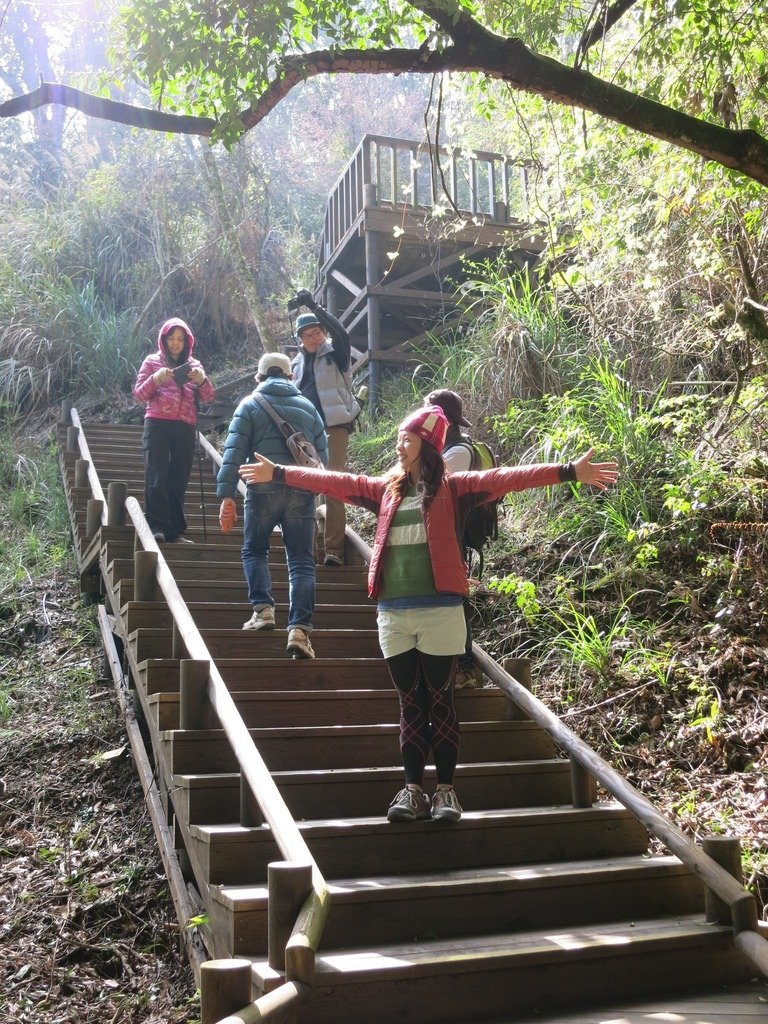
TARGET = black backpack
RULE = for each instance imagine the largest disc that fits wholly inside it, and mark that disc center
(482, 523)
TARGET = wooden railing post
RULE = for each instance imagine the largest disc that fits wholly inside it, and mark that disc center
(117, 492)
(193, 693)
(250, 812)
(289, 884)
(73, 434)
(725, 851)
(372, 277)
(144, 575)
(93, 513)
(66, 412)
(582, 785)
(520, 669)
(178, 647)
(81, 473)
(225, 988)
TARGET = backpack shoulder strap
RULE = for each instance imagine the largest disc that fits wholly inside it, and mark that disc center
(286, 429)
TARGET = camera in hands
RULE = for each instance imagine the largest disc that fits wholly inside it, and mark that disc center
(301, 298)
(180, 373)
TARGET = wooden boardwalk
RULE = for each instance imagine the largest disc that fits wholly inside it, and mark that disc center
(269, 779)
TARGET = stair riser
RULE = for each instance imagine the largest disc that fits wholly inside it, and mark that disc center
(236, 589)
(191, 755)
(258, 675)
(470, 998)
(491, 908)
(229, 568)
(419, 846)
(334, 798)
(261, 644)
(472, 706)
(229, 617)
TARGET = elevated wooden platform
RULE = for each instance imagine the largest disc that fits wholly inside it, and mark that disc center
(399, 225)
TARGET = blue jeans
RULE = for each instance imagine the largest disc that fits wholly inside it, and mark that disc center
(266, 506)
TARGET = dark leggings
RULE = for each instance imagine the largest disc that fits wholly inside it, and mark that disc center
(424, 684)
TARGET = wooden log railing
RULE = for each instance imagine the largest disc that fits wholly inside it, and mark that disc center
(740, 903)
(297, 957)
(412, 175)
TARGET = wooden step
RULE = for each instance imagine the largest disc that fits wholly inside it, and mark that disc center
(357, 847)
(161, 675)
(448, 981)
(224, 591)
(229, 568)
(217, 615)
(284, 709)
(394, 908)
(327, 643)
(353, 792)
(374, 746)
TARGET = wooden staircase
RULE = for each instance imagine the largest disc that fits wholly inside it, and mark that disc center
(528, 904)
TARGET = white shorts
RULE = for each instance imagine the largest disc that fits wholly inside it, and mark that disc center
(437, 630)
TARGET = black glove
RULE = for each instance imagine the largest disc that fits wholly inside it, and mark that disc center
(304, 297)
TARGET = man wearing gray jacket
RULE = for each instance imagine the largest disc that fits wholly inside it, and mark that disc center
(321, 370)
(269, 505)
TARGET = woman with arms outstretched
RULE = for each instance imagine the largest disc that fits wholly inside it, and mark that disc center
(419, 579)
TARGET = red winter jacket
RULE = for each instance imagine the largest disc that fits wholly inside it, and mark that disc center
(171, 401)
(443, 518)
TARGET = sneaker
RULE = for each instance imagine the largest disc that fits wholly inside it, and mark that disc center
(159, 537)
(183, 540)
(409, 805)
(331, 559)
(264, 618)
(298, 643)
(445, 806)
(468, 678)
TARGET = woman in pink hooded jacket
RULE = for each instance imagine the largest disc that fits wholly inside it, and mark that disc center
(170, 425)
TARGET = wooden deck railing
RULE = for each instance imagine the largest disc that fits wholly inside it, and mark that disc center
(413, 175)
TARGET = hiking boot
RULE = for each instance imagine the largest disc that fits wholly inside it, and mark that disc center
(298, 643)
(264, 618)
(445, 806)
(331, 559)
(409, 805)
(470, 678)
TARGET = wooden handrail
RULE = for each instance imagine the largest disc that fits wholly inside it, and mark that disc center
(85, 453)
(741, 903)
(306, 934)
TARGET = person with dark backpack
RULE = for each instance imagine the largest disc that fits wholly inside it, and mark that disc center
(275, 418)
(462, 453)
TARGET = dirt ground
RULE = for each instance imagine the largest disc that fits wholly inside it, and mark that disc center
(87, 927)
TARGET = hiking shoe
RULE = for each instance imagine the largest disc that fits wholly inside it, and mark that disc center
(331, 559)
(445, 806)
(264, 618)
(468, 678)
(298, 643)
(409, 805)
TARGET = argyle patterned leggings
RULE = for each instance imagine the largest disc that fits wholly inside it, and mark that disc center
(424, 684)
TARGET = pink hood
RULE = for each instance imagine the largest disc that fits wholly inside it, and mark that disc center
(167, 327)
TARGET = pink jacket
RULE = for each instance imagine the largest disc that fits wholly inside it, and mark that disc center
(170, 401)
(444, 518)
